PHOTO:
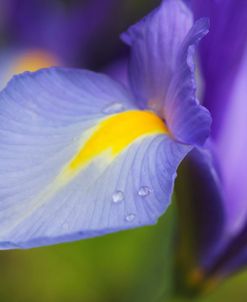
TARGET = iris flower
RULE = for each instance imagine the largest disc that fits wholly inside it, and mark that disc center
(214, 214)
(82, 156)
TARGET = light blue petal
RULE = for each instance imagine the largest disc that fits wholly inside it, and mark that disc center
(43, 117)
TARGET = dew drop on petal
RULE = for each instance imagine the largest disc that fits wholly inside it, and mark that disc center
(144, 191)
(113, 108)
(117, 197)
(130, 217)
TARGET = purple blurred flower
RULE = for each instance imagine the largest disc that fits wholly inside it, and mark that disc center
(82, 156)
(216, 189)
(65, 32)
(38, 34)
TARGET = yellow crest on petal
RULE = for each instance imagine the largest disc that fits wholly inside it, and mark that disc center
(116, 133)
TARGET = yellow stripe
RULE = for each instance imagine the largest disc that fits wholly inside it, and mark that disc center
(116, 133)
(113, 134)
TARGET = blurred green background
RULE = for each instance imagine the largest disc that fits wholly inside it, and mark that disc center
(130, 266)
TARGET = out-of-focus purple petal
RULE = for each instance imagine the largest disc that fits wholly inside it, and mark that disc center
(232, 147)
(233, 257)
(224, 68)
(118, 70)
(64, 32)
(221, 51)
(224, 250)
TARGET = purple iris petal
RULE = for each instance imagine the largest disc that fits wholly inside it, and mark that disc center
(155, 43)
(187, 119)
(162, 69)
(232, 146)
(218, 198)
(221, 51)
(224, 68)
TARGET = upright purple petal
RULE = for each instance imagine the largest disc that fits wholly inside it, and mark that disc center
(155, 43)
(188, 121)
(162, 69)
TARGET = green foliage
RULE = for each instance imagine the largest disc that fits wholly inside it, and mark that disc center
(130, 266)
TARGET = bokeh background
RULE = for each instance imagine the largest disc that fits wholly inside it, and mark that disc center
(130, 266)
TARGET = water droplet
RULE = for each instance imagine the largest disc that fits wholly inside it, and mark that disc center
(144, 191)
(130, 217)
(113, 108)
(118, 196)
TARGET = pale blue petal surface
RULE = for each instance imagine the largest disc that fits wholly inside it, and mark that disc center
(44, 116)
